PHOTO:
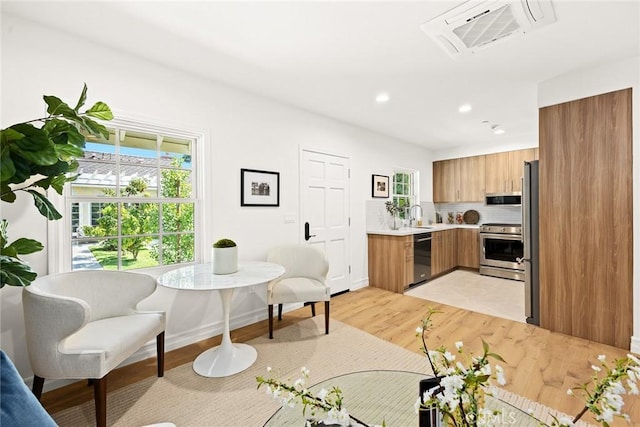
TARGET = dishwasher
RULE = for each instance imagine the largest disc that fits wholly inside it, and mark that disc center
(421, 258)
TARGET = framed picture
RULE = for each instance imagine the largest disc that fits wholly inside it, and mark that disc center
(379, 186)
(259, 188)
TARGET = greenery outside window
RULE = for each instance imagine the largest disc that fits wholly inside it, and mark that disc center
(134, 201)
(404, 191)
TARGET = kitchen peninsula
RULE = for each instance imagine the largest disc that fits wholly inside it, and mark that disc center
(391, 253)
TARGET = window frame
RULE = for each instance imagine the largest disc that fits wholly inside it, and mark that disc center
(414, 194)
(59, 233)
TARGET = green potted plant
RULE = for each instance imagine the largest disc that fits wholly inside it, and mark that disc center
(37, 155)
(225, 257)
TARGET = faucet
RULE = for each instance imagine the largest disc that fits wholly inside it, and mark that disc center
(411, 217)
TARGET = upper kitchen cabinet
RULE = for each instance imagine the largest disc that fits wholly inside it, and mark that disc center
(459, 180)
(503, 171)
(446, 177)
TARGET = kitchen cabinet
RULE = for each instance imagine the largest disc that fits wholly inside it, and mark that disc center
(586, 218)
(443, 251)
(468, 246)
(390, 262)
(459, 180)
(503, 171)
(445, 181)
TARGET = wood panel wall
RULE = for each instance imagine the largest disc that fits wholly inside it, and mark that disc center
(586, 214)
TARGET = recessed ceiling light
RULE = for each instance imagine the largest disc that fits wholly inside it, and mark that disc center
(464, 108)
(383, 97)
(498, 131)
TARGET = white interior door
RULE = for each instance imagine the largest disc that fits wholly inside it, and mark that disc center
(324, 205)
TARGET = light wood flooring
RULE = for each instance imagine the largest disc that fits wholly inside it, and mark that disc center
(540, 365)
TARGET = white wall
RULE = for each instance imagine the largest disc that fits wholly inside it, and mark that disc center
(595, 81)
(241, 131)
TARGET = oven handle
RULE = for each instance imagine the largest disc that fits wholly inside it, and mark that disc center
(500, 236)
(423, 240)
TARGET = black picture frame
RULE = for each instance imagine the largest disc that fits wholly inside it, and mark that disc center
(380, 186)
(259, 188)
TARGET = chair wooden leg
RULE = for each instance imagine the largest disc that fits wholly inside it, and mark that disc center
(100, 397)
(160, 353)
(313, 309)
(270, 310)
(279, 311)
(38, 384)
(326, 317)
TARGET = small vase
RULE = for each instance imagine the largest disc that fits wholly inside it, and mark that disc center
(395, 222)
(225, 260)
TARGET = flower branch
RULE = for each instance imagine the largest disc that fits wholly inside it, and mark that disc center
(327, 401)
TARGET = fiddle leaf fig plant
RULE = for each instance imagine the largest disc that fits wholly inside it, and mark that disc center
(37, 155)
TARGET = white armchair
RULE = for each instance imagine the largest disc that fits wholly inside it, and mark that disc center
(83, 324)
(304, 280)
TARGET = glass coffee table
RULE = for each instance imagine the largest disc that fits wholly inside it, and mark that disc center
(389, 396)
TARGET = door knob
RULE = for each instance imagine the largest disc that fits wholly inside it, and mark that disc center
(307, 236)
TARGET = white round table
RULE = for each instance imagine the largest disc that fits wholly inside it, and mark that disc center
(227, 358)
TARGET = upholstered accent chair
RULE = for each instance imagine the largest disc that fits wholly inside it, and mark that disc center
(83, 324)
(304, 280)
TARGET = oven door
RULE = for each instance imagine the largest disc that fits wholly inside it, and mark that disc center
(501, 250)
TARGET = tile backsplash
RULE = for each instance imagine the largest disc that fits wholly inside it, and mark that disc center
(501, 214)
(377, 217)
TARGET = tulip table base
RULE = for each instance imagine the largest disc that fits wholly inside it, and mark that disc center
(227, 358)
(222, 361)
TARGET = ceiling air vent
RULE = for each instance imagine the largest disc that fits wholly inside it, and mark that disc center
(475, 25)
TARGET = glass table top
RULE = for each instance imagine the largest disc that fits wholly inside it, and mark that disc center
(389, 396)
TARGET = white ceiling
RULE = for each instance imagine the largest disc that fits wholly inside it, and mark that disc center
(333, 57)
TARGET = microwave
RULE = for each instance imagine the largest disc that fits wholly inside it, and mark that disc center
(503, 199)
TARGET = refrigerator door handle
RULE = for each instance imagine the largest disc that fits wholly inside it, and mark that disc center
(523, 206)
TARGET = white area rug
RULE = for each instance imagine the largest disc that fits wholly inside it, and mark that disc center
(471, 291)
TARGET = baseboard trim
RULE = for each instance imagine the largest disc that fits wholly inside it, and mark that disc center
(635, 344)
(359, 284)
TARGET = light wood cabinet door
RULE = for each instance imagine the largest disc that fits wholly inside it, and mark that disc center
(445, 181)
(437, 253)
(451, 246)
(459, 180)
(468, 248)
(408, 262)
(503, 171)
(471, 179)
(516, 167)
(390, 262)
(496, 172)
(443, 251)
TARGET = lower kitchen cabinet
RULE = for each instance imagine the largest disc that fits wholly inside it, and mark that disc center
(390, 262)
(444, 251)
(468, 248)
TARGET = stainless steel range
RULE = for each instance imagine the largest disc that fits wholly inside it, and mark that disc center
(500, 248)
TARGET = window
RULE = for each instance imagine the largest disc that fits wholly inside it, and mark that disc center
(134, 200)
(404, 190)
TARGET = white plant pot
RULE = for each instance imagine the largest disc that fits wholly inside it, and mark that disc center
(225, 260)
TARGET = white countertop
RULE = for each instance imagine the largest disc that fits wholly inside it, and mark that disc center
(408, 231)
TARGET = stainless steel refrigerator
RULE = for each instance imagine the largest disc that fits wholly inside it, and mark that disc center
(530, 198)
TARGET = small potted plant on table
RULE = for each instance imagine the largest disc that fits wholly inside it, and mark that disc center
(225, 257)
